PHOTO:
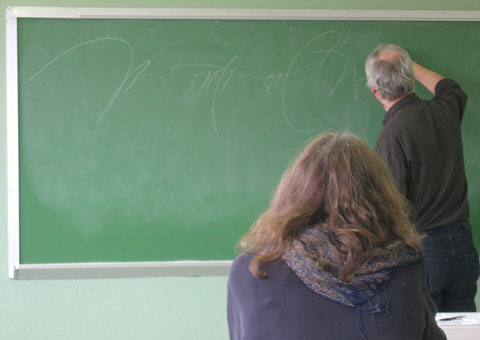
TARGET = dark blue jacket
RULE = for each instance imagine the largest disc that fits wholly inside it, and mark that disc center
(282, 307)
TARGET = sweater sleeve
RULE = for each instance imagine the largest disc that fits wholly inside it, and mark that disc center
(233, 315)
(451, 96)
(239, 300)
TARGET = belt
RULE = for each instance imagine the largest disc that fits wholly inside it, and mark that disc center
(464, 226)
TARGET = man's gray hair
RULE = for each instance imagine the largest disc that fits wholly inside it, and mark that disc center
(392, 78)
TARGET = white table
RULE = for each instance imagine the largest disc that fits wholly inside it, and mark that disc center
(455, 330)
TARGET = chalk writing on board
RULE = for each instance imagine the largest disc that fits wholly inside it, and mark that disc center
(224, 76)
(137, 70)
(217, 90)
(271, 81)
(292, 71)
(220, 76)
(71, 50)
(356, 81)
(209, 77)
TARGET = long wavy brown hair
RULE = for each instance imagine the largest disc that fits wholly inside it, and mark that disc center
(339, 184)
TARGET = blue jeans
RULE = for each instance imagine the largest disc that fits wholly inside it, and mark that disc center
(453, 265)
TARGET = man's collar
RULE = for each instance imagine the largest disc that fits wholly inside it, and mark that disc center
(395, 107)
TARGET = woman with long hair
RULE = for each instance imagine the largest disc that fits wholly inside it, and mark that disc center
(335, 256)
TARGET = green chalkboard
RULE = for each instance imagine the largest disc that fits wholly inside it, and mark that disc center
(160, 140)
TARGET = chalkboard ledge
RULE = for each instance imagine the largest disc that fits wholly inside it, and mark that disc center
(112, 270)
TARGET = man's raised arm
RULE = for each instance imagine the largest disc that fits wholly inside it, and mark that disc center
(426, 77)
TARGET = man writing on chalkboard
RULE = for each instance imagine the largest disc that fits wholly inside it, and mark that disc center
(421, 143)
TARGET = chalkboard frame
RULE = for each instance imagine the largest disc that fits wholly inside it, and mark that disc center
(161, 268)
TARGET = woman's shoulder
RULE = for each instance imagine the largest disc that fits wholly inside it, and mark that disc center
(240, 265)
(242, 259)
(240, 271)
(240, 275)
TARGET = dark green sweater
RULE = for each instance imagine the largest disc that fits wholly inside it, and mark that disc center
(421, 144)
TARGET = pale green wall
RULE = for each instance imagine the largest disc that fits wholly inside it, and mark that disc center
(162, 308)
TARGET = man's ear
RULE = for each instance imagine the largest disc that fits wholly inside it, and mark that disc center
(372, 89)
